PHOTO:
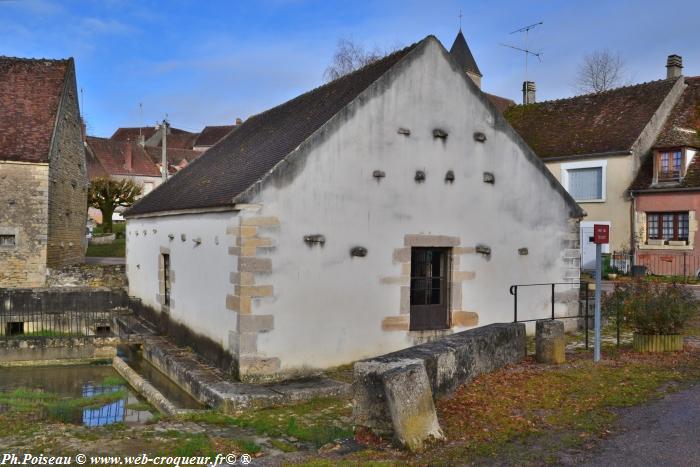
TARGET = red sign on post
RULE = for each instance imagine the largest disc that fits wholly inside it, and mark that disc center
(601, 234)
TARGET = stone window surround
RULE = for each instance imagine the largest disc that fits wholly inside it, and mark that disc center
(10, 231)
(160, 297)
(602, 163)
(402, 256)
(641, 230)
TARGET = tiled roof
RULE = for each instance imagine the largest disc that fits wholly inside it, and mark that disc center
(30, 93)
(177, 138)
(210, 135)
(589, 124)
(682, 128)
(256, 146)
(463, 56)
(176, 156)
(132, 134)
(111, 156)
(501, 103)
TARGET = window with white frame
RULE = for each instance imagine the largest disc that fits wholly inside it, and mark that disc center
(585, 181)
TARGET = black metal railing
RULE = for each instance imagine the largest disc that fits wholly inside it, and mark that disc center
(71, 324)
(583, 300)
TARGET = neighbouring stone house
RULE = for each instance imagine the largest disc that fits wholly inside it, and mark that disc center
(122, 159)
(43, 181)
(594, 145)
(666, 192)
(388, 207)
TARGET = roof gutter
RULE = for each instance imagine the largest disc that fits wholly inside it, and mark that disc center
(626, 152)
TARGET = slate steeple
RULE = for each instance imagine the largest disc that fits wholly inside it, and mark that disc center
(464, 58)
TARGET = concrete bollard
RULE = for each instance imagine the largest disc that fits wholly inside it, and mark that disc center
(549, 341)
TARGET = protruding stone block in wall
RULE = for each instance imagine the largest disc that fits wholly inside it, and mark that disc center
(410, 402)
(549, 341)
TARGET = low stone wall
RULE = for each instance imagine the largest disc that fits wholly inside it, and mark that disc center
(44, 351)
(146, 389)
(88, 275)
(449, 362)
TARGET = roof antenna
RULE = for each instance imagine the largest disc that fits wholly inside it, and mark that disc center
(524, 49)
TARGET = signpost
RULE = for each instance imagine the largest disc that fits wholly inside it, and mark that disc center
(601, 236)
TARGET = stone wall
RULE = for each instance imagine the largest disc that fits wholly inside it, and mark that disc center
(88, 275)
(23, 213)
(449, 362)
(68, 183)
(40, 351)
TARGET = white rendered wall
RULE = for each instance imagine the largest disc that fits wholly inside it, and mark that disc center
(328, 307)
(201, 272)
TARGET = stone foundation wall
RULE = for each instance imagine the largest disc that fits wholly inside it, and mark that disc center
(40, 351)
(88, 275)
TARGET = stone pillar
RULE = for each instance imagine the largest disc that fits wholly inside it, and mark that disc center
(549, 341)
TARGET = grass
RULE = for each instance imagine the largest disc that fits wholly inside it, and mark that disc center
(115, 249)
(318, 421)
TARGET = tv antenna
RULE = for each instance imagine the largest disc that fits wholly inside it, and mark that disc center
(527, 52)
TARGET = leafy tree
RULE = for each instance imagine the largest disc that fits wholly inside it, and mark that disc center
(600, 71)
(107, 194)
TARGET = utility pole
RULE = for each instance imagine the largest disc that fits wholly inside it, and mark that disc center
(164, 150)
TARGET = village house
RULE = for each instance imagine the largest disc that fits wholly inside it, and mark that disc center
(383, 209)
(594, 145)
(129, 160)
(152, 136)
(210, 135)
(666, 192)
(43, 179)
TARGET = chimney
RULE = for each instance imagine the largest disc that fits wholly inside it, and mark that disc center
(238, 121)
(127, 157)
(674, 66)
(528, 92)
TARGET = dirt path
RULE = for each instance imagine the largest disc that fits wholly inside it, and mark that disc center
(665, 432)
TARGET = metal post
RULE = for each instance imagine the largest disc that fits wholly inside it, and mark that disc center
(586, 314)
(515, 304)
(598, 267)
(552, 301)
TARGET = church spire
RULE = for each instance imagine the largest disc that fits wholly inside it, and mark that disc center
(463, 56)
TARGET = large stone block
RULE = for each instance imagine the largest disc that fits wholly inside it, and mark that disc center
(410, 403)
(549, 341)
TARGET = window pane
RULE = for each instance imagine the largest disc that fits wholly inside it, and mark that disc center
(683, 226)
(677, 161)
(586, 183)
(7, 240)
(667, 226)
(653, 226)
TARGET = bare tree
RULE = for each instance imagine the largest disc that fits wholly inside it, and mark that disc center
(600, 71)
(348, 57)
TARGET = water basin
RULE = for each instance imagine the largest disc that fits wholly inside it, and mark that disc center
(90, 395)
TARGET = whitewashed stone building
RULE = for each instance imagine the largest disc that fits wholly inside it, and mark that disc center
(385, 208)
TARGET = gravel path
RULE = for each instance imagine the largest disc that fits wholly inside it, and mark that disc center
(665, 432)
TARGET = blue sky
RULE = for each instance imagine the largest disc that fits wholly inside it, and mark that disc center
(208, 62)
